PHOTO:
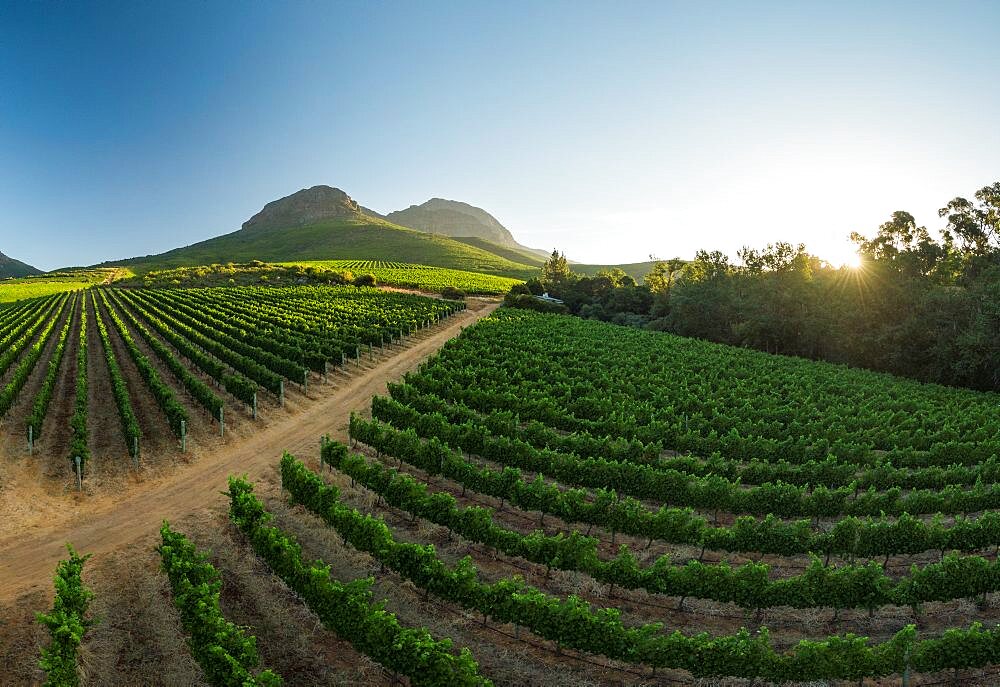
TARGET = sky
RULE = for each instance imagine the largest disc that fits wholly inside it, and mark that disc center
(611, 131)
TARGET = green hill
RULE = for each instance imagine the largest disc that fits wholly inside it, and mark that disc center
(363, 238)
(56, 282)
(515, 254)
(11, 268)
(456, 219)
(324, 223)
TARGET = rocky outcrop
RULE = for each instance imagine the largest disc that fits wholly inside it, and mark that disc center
(305, 207)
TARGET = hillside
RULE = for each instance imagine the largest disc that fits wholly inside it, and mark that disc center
(636, 270)
(324, 223)
(9, 267)
(50, 283)
(456, 219)
(521, 255)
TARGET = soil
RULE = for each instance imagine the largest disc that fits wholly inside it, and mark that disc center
(138, 639)
(33, 529)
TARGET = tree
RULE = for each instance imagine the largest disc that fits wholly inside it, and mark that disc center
(662, 276)
(908, 249)
(707, 265)
(556, 269)
(616, 277)
(977, 226)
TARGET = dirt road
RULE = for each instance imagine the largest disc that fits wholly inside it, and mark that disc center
(28, 560)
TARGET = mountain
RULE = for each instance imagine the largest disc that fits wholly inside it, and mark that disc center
(9, 267)
(302, 208)
(458, 220)
(324, 223)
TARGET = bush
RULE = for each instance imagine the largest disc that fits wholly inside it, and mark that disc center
(453, 293)
(518, 289)
(528, 302)
(365, 280)
(535, 286)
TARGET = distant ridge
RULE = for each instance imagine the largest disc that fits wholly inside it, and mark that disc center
(324, 223)
(9, 267)
(458, 220)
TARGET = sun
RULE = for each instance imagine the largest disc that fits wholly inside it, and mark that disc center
(852, 261)
(844, 257)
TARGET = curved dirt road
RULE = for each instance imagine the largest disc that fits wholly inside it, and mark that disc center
(27, 561)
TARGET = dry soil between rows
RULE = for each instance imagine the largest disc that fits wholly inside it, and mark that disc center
(103, 525)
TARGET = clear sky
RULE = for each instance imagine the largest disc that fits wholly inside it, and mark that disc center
(610, 130)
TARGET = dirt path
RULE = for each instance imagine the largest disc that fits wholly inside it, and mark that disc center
(99, 526)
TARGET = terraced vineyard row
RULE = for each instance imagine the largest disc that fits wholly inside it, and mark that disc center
(422, 277)
(165, 362)
(672, 474)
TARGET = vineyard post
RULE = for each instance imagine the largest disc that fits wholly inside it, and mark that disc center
(31, 440)
(183, 436)
(79, 473)
(281, 394)
(254, 405)
(135, 452)
(222, 421)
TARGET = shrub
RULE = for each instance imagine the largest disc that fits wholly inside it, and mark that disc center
(453, 293)
(528, 302)
(535, 286)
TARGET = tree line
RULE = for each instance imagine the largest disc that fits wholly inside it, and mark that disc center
(918, 305)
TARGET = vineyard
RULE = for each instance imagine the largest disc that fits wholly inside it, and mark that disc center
(421, 277)
(124, 378)
(56, 282)
(546, 501)
(672, 507)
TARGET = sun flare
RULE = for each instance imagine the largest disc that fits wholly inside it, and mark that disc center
(852, 261)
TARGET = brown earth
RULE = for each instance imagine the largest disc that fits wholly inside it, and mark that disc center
(139, 639)
(32, 534)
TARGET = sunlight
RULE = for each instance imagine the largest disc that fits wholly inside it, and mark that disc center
(852, 261)
(847, 256)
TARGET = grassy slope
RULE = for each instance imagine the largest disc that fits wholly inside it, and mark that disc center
(55, 282)
(637, 270)
(432, 279)
(421, 276)
(521, 256)
(368, 239)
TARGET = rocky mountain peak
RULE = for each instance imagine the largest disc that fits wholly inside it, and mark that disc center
(308, 206)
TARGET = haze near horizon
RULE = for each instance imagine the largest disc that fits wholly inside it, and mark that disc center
(608, 131)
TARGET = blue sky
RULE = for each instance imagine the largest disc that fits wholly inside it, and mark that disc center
(609, 130)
